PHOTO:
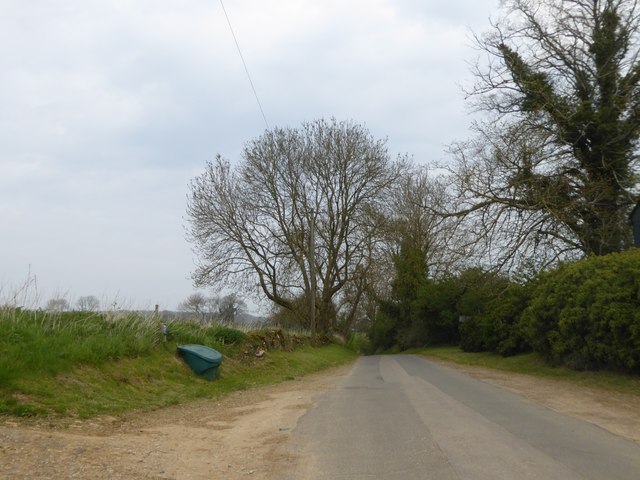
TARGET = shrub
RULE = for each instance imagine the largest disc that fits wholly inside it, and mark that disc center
(492, 306)
(384, 329)
(472, 335)
(586, 315)
(437, 313)
(504, 333)
(228, 336)
(359, 343)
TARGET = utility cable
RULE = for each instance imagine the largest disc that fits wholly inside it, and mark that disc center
(245, 66)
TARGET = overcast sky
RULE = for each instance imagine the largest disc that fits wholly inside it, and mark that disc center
(109, 107)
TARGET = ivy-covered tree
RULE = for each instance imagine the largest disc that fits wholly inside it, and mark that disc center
(553, 171)
(415, 240)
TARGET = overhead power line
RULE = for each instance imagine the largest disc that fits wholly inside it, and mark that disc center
(255, 94)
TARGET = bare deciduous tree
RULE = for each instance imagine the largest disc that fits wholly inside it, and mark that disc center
(229, 307)
(410, 229)
(503, 217)
(413, 222)
(214, 308)
(57, 305)
(297, 215)
(196, 304)
(88, 303)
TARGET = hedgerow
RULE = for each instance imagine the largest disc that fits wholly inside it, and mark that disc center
(586, 314)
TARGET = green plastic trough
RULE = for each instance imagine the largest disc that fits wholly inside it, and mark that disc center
(203, 360)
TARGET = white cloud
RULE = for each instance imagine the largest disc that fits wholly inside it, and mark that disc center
(109, 108)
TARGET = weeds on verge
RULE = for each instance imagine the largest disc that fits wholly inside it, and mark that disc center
(86, 363)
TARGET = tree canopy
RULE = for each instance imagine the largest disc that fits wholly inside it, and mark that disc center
(553, 172)
(299, 215)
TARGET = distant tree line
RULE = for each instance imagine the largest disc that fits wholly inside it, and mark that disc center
(88, 303)
(213, 309)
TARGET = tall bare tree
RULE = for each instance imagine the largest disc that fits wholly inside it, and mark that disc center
(88, 303)
(297, 215)
(413, 225)
(57, 304)
(553, 173)
(229, 307)
(198, 305)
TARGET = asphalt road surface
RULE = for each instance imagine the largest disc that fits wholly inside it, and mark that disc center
(403, 417)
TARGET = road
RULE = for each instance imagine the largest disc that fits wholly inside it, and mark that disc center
(403, 417)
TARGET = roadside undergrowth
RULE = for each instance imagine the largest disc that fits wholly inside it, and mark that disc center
(83, 364)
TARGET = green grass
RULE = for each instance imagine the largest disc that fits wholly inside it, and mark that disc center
(83, 365)
(534, 364)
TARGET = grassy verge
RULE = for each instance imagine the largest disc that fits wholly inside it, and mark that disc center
(534, 364)
(84, 365)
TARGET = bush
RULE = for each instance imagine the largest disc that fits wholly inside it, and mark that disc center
(492, 306)
(437, 313)
(359, 343)
(228, 336)
(472, 335)
(504, 333)
(384, 329)
(586, 315)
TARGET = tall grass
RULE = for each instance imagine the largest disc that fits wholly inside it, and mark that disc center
(79, 363)
(35, 342)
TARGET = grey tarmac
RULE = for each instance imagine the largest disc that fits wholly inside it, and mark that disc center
(404, 417)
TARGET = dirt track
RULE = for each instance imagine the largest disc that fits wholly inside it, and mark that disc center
(242, 436)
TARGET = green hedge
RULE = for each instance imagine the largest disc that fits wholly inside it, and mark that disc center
(586, 314)
(497, 328)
